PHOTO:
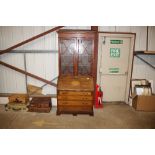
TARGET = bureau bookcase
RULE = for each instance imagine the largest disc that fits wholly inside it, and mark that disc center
(77, 71)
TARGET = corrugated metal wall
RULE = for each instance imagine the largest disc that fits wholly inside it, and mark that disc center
(43, 65)
(46, 65)
(140, 31)
(141, 70)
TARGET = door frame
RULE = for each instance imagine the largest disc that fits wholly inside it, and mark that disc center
(132, 36)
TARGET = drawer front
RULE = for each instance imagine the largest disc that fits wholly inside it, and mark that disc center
(40, 105)
(36, 109)
(77, 109)
(65, 97)
(75, 103)
(74, 93)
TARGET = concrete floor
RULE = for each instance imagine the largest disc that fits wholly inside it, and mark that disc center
(111, 116)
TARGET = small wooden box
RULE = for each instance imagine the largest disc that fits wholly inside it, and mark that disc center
(40, 104)
(19, 98)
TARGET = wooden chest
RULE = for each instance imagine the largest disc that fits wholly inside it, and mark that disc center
(40, 104)
(19, 98)
(75, 95)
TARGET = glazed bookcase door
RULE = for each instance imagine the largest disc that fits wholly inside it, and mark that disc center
(67, 56)
(85, 56)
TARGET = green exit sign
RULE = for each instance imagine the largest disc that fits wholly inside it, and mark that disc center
(115, 52)
(116, 41)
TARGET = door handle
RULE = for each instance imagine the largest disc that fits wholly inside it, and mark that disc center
(104, 40)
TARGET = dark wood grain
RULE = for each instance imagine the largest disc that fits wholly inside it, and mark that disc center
(40, 104)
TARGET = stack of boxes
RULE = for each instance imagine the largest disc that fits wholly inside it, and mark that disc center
(18, 102)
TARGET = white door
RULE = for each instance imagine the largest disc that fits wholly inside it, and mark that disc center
(114, 67)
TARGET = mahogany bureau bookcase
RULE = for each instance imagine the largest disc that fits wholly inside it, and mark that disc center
(75, 91)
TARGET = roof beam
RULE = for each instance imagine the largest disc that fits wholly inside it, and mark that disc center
(30, 39)
(145, 62)
(94, 28)
(28, 74)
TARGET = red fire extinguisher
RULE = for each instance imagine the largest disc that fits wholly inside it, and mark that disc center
(99, 97)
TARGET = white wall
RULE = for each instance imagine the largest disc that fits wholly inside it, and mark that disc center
(43, 65)
(151, 39)
(140, 31)
(142, 71)
(11, 81)
(46, 65)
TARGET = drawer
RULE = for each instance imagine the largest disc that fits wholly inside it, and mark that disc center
(74, 93)
(40, 105)
(75, 103)
(77, 109)
(65, 97)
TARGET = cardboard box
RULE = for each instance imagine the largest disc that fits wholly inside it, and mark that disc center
(34, 90)
(143, 90)
(139, 82)
(144, 103)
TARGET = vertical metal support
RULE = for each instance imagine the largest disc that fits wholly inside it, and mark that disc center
(147, 39)
(25, 68)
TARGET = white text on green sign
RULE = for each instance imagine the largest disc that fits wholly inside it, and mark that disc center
(115, 52)
(113, 70)
(116, 41)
